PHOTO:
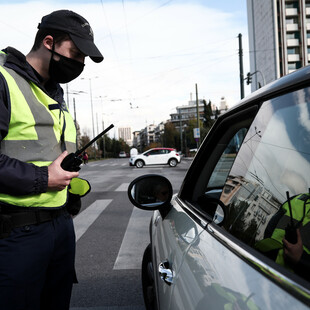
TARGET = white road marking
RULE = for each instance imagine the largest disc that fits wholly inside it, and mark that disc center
(122, 188)
(83, 221)
(135, 241)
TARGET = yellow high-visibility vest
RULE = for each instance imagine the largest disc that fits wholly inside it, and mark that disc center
(38, 133)
(300, 214)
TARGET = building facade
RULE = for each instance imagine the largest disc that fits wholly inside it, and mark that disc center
(186, 112)
(124, 133)
(279, 38)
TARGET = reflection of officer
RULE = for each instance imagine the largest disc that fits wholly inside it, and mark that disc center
(277, 244)
(161, 192)
(226, 299)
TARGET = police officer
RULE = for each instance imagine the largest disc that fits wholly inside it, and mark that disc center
(37, 240)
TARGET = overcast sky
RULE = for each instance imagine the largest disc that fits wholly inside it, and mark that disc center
(155, 52)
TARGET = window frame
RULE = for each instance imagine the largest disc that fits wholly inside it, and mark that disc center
(197, 177)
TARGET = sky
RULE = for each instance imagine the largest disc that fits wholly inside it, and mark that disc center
(155, 52)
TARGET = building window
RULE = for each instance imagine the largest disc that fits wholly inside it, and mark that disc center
(291, 5)
(292, 50)
(291, 66)
(290, 21)
(294, 65)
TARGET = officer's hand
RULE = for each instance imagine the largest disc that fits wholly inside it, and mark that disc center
(58, 178)
(293, 252)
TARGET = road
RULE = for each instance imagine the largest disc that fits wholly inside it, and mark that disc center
(112, 235)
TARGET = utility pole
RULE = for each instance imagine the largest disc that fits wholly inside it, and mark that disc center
(241, 66)
(197, 106)
(181, 138)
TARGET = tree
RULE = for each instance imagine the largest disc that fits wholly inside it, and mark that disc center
(171, 136)
(207, 115)
(84, 139)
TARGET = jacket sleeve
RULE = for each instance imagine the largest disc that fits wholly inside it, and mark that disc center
(17, 177)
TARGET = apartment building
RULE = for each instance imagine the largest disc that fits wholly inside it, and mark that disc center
(279, 38)
(186, 112)
(125, 134)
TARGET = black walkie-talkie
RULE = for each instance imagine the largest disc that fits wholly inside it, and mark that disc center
(73, 161)
(290, 229)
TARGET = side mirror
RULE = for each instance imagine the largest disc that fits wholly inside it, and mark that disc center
(214, 207)
(219, 215)
(150, 192)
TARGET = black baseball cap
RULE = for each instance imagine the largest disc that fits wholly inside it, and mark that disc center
(77, 27)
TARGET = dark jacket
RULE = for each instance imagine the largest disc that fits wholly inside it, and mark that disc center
(17, 177)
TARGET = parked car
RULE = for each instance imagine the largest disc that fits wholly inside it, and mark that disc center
(224, 240)
(122, 154)
(156, 156)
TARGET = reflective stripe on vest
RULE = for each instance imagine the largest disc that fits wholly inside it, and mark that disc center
(34, 134)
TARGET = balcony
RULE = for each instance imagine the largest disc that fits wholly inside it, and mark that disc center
(293, 27)
(293, 42)
(293, 57)
(291, 12)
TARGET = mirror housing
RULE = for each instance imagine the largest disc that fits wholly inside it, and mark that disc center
(150, 192)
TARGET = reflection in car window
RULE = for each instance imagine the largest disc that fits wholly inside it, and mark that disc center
(207, 197)
(220, 173)
(272, 165)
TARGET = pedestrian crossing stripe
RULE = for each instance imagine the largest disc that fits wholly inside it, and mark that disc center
(135, 241)
(122, 188)
(86, 218)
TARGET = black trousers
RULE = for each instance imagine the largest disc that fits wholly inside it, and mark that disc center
(37, 266)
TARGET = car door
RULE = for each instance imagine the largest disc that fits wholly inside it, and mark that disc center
(171, 238)
(174, 236)
(247, 164)
(153, 157)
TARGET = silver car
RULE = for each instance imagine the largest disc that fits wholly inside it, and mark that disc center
(237, 234)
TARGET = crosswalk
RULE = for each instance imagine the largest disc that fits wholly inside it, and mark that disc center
(135, 239)
(127, 247)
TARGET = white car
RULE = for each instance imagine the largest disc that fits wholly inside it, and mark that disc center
(156, 156)
(122, 154)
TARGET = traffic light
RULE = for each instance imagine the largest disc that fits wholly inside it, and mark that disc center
(248, 78)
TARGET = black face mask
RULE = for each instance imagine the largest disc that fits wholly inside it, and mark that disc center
(65, 69)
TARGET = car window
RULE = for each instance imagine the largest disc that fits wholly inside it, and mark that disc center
(222, 168)
(272, 166)
(154, 152)
(214, 160)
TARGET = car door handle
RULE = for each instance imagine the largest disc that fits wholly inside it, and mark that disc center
(165, 273)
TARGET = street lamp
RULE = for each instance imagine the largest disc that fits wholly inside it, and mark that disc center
(91, 103)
